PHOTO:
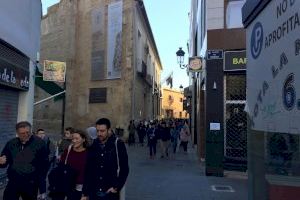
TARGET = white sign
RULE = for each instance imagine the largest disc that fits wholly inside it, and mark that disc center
(114, 40)
(273, 68)
(214, 126)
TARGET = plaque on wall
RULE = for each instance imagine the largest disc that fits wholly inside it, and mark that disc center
(98, 95)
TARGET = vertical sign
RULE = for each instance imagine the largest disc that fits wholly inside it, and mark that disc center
(97, 54)
(114, 40)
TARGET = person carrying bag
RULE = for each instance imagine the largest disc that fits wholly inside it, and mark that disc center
(122, 193)
(61, 179)
(107, 166)
(73, 168)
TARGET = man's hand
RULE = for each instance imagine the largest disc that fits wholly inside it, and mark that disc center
(84, 198)
(111, 190)
(2, 160)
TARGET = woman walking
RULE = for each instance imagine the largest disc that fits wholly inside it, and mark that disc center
(75, 156)
(184, 136)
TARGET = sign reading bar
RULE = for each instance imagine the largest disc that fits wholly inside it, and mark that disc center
(54, 71)
(195, 64)
(13, 76)
(235, 60)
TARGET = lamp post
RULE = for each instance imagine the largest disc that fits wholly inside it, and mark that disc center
(181, 89)
(180, 58)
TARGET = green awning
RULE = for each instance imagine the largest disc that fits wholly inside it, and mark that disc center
(48, 86)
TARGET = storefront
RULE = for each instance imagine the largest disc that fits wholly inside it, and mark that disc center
(235, 119)
(14, 78)
(224, 103)
(273, 74)
(19, 46)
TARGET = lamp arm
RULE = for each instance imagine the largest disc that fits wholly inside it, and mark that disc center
(183, 66)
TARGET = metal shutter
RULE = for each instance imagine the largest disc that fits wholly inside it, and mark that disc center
(9, 100)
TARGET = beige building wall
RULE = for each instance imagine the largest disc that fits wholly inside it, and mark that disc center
(57, 43)
(146, 95)
(172, 102)
(67, 36)
(215, 14)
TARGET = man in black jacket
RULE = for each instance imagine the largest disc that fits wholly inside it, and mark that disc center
(102, 180)
(27, 160)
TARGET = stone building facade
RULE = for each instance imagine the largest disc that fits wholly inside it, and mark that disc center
(172, 104)
(113, 66)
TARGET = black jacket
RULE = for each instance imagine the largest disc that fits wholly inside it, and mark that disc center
(27, 161)
(101, 169)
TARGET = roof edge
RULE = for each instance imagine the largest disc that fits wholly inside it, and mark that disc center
(251, 10)
(144, 13)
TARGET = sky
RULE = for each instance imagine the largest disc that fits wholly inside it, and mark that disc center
(169, 21)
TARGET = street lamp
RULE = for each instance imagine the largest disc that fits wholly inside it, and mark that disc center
(180, 58)
(181, 88)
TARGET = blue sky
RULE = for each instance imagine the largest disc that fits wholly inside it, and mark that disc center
(170, 26)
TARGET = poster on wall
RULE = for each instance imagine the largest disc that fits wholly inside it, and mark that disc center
(273, 71)
(97, 54)
(114, 40)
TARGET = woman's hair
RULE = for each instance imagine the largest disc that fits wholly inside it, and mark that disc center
(83, 135)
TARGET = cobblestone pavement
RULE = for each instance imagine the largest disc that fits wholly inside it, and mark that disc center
(181, 177)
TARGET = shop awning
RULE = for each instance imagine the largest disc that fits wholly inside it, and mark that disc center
(48, 86)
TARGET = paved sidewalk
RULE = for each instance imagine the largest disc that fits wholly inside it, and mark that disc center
(179, 178)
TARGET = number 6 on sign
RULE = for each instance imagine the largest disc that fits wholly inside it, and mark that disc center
(289, 93)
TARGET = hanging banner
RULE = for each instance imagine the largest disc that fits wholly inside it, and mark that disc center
(273, 72)
(54, 71)
(114, 40)
(98, 49)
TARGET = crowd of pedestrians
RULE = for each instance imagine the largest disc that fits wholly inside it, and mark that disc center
(84, 165)
(165, 135)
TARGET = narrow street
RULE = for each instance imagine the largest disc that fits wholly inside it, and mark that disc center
(180, 177)
(177, 178)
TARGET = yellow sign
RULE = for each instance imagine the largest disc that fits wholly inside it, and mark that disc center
(54, 71)
(239, 61)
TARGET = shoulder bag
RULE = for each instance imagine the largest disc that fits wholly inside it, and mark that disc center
(62, 179)
(122, 191)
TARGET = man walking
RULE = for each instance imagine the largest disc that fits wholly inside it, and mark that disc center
(27, 159)
(103, 180)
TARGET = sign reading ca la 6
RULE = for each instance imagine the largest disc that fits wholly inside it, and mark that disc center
(273, 72)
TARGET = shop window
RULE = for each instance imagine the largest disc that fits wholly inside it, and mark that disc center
(283, 154)
(235, 87)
